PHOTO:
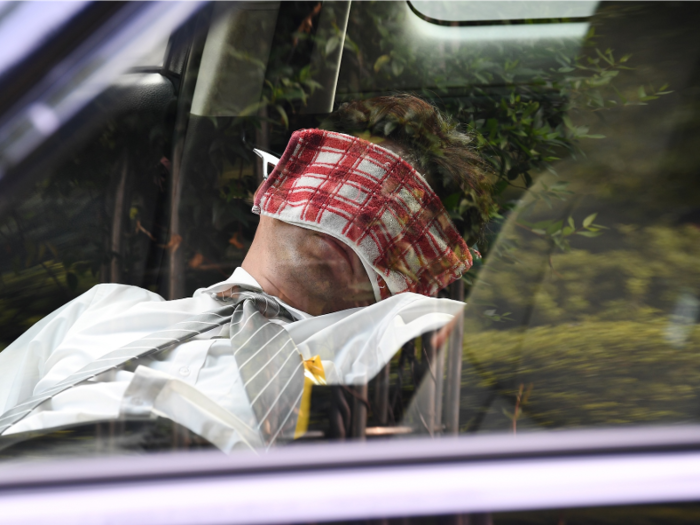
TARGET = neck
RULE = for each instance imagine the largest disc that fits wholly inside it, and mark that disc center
(257, 264)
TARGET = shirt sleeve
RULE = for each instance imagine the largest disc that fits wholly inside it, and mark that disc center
(354, 345)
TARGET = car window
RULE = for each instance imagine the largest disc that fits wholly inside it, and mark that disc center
(604, 324)
(583, 302)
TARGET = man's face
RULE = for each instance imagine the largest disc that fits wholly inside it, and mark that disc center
(310, 270)
(320, 273)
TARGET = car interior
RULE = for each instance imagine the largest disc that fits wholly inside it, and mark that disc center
(132, 162)
(583, 311)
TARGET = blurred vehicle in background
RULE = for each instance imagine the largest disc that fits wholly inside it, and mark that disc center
(126, 138)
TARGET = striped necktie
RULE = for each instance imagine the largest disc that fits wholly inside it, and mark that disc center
(270, 364)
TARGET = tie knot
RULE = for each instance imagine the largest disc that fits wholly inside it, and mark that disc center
(266, 304)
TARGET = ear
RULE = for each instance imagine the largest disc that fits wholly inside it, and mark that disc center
(256, 209)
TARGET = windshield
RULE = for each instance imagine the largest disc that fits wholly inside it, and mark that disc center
(278, 222)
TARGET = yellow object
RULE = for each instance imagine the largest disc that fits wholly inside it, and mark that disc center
(313, 375)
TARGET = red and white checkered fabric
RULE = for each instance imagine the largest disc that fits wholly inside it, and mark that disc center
(373, 201)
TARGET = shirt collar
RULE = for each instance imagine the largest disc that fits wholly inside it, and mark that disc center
(240, 277)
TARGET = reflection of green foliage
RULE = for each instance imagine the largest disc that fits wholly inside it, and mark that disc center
(30, 293)
(57, 239)
(584, 374)
(606, 335)
(640, 276)
(520, 96)
(289, 90)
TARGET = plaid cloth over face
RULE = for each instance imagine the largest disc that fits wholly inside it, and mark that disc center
(373, 201)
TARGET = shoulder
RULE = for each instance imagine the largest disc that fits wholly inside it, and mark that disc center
(122, 293)
(82, 327)
(98, 301)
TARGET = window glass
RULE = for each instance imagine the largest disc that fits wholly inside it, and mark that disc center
(583, 299)
(586, 312)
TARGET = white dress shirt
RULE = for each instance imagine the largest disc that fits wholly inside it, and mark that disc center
(197, 383)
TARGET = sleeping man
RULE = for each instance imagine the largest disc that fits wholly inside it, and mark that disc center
(352, 247)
